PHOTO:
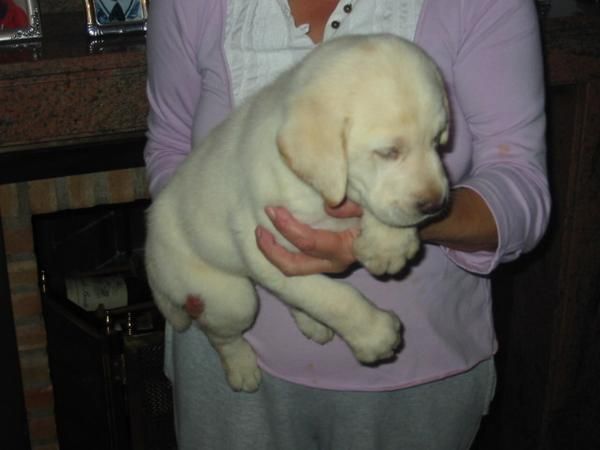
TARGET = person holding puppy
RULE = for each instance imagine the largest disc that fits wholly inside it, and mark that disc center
(207, 56)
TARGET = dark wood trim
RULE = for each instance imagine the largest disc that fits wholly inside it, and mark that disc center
(52, 161)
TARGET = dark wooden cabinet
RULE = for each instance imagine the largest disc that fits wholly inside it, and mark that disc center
(547, 304)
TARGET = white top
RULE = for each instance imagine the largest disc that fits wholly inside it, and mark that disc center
(261, 39)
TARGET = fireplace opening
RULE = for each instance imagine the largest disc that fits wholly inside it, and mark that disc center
(104, 334)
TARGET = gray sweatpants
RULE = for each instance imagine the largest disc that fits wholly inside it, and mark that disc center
(442, 415)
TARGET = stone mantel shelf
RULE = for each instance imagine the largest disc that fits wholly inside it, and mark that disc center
(70, 90)
(132, 57)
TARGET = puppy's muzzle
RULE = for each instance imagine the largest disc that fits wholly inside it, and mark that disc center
(432, 205)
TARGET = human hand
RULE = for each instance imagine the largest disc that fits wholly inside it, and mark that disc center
(321, 251)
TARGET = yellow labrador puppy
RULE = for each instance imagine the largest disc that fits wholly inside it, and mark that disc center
(360, 117)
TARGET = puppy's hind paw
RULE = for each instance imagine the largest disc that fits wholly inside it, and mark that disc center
(241, 369)
(244, 379)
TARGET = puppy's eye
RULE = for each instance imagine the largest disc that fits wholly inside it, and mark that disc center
(389, 153)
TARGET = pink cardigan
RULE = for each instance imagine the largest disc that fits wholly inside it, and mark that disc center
(489, 53)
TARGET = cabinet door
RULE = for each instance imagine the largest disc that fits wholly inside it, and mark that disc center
(572, 411)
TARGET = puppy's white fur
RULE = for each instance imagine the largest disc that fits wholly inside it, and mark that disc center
(360, 117)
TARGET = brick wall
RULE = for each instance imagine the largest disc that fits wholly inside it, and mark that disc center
(18, 202)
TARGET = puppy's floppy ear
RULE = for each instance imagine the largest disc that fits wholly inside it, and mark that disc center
(311, 141)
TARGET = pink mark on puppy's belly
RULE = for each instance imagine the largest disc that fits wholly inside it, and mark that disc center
(194, 306)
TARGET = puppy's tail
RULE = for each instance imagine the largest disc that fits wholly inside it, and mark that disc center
(175, 314)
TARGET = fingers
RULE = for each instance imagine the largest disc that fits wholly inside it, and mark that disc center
(311, 241)
(298, 233)
(324, 244)
(289, 263)
(345, 210)
(321, 251)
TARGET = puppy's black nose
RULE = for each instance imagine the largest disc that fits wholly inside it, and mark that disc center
(430, 207)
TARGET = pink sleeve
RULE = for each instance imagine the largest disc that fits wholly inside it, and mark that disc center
(178, 33)
(499, 84)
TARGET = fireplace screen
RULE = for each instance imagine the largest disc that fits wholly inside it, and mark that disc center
(105, 337)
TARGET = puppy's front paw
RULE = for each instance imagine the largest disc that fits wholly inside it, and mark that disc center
(386, 250)
(378, 337)
(311, 328)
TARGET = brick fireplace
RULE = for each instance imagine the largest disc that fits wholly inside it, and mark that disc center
(18, 202)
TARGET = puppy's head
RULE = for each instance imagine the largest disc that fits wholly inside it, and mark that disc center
(364, 119)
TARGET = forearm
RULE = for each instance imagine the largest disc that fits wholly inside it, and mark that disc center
(468, 226)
